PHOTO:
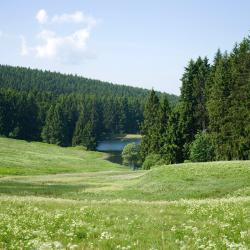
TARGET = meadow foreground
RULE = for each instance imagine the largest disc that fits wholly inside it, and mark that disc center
(68, 198)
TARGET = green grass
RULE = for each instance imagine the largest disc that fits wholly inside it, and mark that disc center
(36, 158)
(69, 198)
(35, 223)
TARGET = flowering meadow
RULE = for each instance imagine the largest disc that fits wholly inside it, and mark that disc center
(186, 206)
(41, 223)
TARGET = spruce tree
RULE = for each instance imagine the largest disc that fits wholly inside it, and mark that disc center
(55, 129)
(150, 126)
(193, 116)
(172, 151)
(164, 113)
(218, 103)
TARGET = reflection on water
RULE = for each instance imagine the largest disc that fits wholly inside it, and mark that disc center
(114, 147)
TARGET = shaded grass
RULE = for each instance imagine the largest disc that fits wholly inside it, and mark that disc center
(184, 181)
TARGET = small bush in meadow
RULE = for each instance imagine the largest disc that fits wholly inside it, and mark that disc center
(152, 160)
(131, 155)
(201, 149)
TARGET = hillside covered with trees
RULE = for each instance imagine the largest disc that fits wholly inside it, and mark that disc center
(65, 109)
(212, 118)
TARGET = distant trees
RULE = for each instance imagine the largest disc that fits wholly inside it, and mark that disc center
(18, 115)
(213, 110)
(65, 109)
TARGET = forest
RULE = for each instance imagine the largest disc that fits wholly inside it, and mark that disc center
(211, 120)
(66, 109)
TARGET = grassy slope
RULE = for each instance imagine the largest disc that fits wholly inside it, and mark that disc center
(105, 206)
(31, 158)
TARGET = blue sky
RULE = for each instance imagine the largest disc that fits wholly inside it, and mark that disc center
(140, 43)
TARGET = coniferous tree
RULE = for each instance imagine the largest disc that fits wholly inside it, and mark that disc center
(164, 113)
(172, 151)
(150, 126)
(55, 129)
(79, 129)
(239, 99)
(194, 115)
(220, 81)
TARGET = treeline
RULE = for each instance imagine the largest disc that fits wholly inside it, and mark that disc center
(66, 119)
(64, 109)
(212, 118)
(25, 79)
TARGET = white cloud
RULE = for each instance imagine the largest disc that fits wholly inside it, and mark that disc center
(52, 46)
(1, 33)
(69, 48)
(42, 16)
(76, 17)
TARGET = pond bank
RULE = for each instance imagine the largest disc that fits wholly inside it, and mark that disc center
(115, 146)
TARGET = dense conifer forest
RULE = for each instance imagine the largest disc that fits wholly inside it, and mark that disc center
(210, 121)
(65, 109)
(212, 118)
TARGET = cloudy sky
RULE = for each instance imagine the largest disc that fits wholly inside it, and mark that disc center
(141, 43)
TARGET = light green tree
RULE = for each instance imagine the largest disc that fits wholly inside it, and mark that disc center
(131, 155)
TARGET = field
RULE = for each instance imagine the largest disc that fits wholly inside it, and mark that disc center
(68, 198)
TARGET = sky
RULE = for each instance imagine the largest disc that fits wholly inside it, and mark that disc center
(140, 43)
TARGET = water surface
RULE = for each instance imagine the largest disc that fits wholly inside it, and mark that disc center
(114, 147)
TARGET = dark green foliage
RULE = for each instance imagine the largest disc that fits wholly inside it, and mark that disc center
(24, 79)
(151, 126)
(87, 130)
(66, 109)
(18, 115)
(201, 149)
(152, 160)
(193, 116)
(213, 98)
(172, 151)
(229, 104)
(164, 114)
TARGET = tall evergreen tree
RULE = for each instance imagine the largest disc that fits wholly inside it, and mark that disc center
(218, 101)
(172, 151)
(163, 113)
(150, 126)
(193, 115)
(55, 129)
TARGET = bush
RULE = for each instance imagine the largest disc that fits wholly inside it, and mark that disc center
(131, 155)
(201, 149)
(152, 160)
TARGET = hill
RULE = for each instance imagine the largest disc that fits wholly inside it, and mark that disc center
(57, 198)
(67, 110)
(26, 79)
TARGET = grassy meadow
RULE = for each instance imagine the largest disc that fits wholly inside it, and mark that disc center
(69, 198)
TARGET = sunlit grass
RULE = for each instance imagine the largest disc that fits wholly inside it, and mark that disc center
(29, 158)
(68, 198)
(34, 223)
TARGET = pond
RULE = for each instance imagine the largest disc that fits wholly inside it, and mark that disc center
(114, 147)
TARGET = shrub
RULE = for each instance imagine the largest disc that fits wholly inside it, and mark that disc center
(152, 160)
(201, 149)
(131, 155)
